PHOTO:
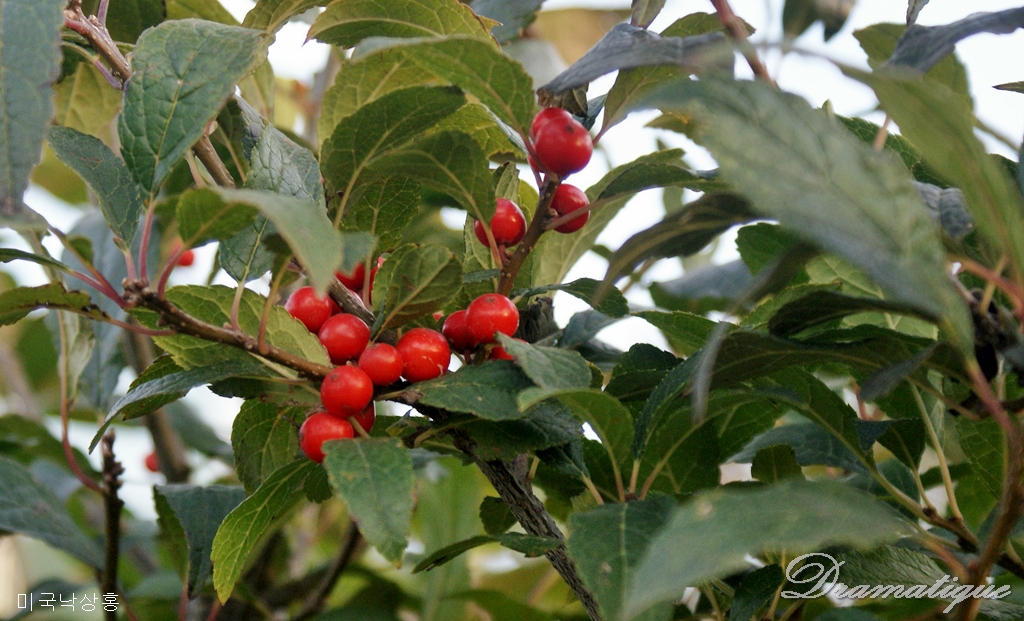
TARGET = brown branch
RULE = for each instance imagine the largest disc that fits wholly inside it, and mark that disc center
(112, 505)
(208, 156)
(739, 33)
(537, 225)
(316, 600)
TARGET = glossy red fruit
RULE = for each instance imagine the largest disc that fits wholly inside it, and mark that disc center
(563, 147)
(346, 391)
(345, 337)
(508, 224)
(353, 280)
(425, 354)
(152, 463)
(187, 258)
(366, 418)
(382, 363)
(567, 199)
(549, 115)
(312, 311)
(491, 313)
(319, 428)
(457, 332)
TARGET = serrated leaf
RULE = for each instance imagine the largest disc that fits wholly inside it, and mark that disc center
(16, 303)
(608, 543)
(820, 307)
(374, 478)
(347, 23)
(243, 528)
(545, 425)
(871, 216)
(498, 141)
(183, 72)
(28, 508)
(530, 545)
(755, 591)
(204, 217)
(200, 511)
(105, 173)
(210, 10)
(487, 390)
(812, 445)
(384, 210)
(795, 516)
(550, 368)
(271, 15)
(868, 132)
(775, 463)
(496, 516)
(983, 443)
(422, 280)
(161, 367)
(264, 439)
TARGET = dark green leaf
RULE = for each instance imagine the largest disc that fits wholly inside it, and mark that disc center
(703, 289)
(868, 132)
(513, 15)
(126, 19)
(270, 15)
(755, 591)
(200, 511)
(13, 254)
(18, 302)
(347, 23)
(905, 438)
(264, 439)
(813, 445)
(798, 15)
(105, 173)
(530, 545)
(983, 443)
(29, 65)
(820, 307)
(420, 280)
(609, 419)
(644, 12)
(496, 516)
(374, 478)
(28, 508)
(914, 9)
(183, 71)
(498, 141)
(795, 515)
(384, 210)
(499, 606)
(210, 10)
(688, 456)
(204, 217)
(608, 543)
(760, 245)
(611, 303)
(654, 170)
(550, 368)
(773, 464)
(639, 372)
(25, 442)
(488, 390)
(685, 332)
(161, 367)
(881, 382)
(544, 425)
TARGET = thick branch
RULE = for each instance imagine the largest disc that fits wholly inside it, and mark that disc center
(112, 505)
(533, 233)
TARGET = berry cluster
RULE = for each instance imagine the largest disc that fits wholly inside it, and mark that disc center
(478, 324)
(347, 392)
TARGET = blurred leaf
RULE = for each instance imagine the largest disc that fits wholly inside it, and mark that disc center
(487, 390)
(86, 101)
(501, 607)
(496, 516)
(773, 464)
(29, 64)
(245, 526)
(871, 216)
(28, 508)
(271, 15)
(422, 281)
(15, 304)
(200, 511)
(820, 307)
(914, 9)
(573, 31)
(644, 12)
(183, 72)
(686, 552)
(868, 131)
(881, 382)
(12, 254)
(197, 434)
(126, 19)
(264, 440)
(25, 442)
(608, 543)
(905, 438)
(921, 47)
(347, 23)
(755, 592)
(879, 42)
(513, 15)
(633, 83)
(705, 288)
(798, 15)
(949, 207)
(812, 445)
(374, 478)
(686, 332)
(530, 545)
(210, 10)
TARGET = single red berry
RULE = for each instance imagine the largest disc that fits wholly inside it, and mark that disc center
(567, 199)
(549, 115)
(311, 310)
(425, 354)
(353, 280)
(457, 332)
(382, 363)
(152, 463)
(491, 313)
(498, 352)
(346, 391)
(508, 224)
(187, 258)
(366, 418)
(563, 147)
(345, 337)
(319, 428)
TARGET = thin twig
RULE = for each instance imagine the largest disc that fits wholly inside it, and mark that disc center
(739, 33)
(540, 218)
(315, 601)
(112, 504)
(208, 156)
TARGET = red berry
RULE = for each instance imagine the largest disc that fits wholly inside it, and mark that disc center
(187, 258)
(563, 147)
(425, 354)
(353, 280)
(312, 311)
(549, 115)
(491, 313)
(508, 224)
(382, 363)
(567, 199)
(346, 391)
(152, 463)
(498, 352)
(366, 418)
(457, 332)
(345, 337)
(319, 428)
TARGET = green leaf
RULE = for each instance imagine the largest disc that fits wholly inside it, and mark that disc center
(477, 67)
(639, 372)
(264, 440)
(380, 127)
(496, 139)
(530, 545)
(374, 478)
(204, 217)
(799, 15)
(127, 19)
(161, 367)
(270, 15)
(983, 443)
(905, 438)
(513, 15)
(820, 307)
(200, 511)
(28, 508)
(871, 215)
(347, 23)
(654, 170)
(245, 526)
(795, 515)
(210, 10)
(497, 605)
(487, 390)
(609, 419)
(86, 101)
(755, 591)
(496, 516)
(13, 254)
(281, 166)
(686, 332)
(25, 442)
(644, 12)
(550, 368)
(705, 288)
(868, 132)
(545, 425)
(449, 162)
(384, 210)
(29, 65)
(879, 42)
(631, 84)
(422, 280)
(608, 543)
(16, 303)
(775, 463)
(611, 303)
(812, 445)
(105, 173)
(183, 72)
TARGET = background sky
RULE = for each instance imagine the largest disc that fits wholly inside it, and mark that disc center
(990, 59)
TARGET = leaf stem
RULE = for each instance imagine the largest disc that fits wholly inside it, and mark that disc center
(65, 408)
(739, 33)
(510, 269)
(593, 490)
(933, 437)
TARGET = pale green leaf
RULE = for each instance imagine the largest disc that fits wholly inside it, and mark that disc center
(347, 23)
